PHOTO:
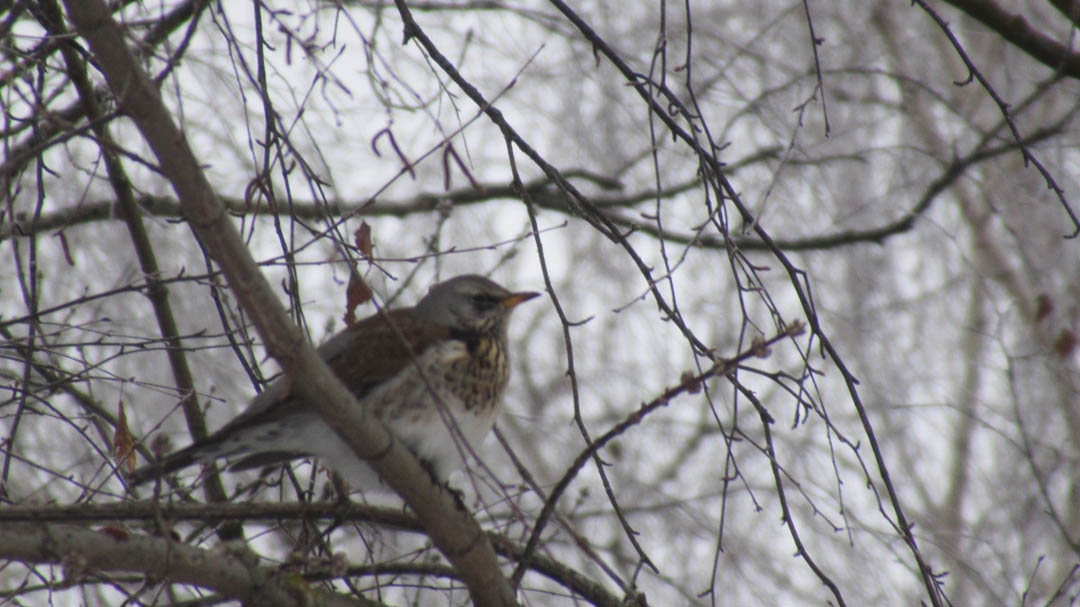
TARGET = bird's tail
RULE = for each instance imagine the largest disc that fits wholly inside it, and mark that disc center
(202, 451)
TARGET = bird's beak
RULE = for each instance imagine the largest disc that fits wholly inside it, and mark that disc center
(511, 301)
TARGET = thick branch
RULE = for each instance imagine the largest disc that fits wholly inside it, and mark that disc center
(82, 551)
(1018, 32)
(571, 579)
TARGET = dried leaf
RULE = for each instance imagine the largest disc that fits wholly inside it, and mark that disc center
(117, 532)
(356, 294)
(123, 446)
(362, 238)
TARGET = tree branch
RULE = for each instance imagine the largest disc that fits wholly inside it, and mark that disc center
(1017, 31)
(393, 517)
(82, 551)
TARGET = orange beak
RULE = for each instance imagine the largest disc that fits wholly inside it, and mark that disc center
(511, 301)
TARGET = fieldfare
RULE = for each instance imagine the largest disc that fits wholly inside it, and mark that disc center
(434, 373)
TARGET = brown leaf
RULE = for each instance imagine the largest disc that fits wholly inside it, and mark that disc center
(362, 238)
(356, 294)
(117, 532)
(123, 446)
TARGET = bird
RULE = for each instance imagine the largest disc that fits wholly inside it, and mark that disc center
(434, 373)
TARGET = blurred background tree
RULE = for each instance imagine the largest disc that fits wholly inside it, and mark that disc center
(811, 273)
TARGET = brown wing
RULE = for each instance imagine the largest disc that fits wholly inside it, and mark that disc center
(362, 356)
(378, 347)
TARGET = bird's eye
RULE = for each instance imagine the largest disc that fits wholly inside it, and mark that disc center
(484, 301)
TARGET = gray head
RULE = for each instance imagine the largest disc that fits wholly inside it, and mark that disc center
(470, 303)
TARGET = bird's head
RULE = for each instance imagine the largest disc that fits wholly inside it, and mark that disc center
(470, 303)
